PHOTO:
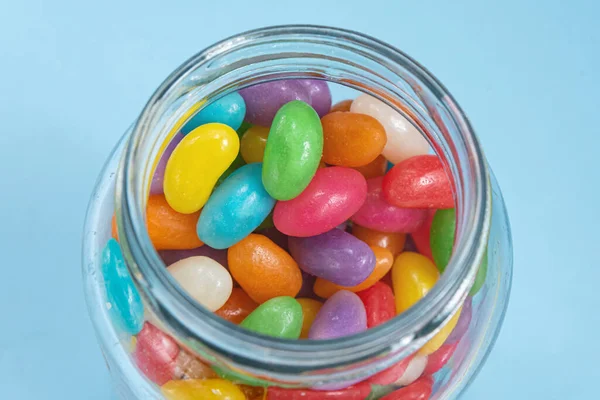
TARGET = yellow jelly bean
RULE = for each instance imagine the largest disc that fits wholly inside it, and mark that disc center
(196, 164)
(253, 144)
(438, 340)
(413, 276)
(198, 389)
(310, 308)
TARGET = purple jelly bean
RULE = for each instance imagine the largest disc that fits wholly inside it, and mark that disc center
(172, 256)
(335, 255)
(320, 95)
(378, 215)
(157, 180)
(265, 99)
(343, 314)
(463, 322)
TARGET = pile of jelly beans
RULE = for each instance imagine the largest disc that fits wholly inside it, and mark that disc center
(289, 217)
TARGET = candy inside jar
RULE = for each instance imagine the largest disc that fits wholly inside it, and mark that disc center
(276, 210)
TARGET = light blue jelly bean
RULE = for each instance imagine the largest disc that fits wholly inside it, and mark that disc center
(126, 307)
(229, 110)
(235, 209)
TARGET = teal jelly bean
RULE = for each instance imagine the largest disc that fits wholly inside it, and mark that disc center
(293, 151)
(442, 240)
(126, 307)
(235, 209)
(279, 317)
(442, 237)
(229, 110)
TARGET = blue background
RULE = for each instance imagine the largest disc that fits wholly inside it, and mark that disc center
(74, 75)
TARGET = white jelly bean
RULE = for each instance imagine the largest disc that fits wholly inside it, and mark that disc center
(415, 369)
(207, 281)
(403, 139)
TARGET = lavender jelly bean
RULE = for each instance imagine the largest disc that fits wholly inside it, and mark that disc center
(342, 315)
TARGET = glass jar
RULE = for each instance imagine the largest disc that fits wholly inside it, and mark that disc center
(355, 61)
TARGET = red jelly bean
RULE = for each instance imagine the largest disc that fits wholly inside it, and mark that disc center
(439, 358)
(390, 375)
(357, 392)
(418, 182)
(379, 303)
(419, 390)
(156, 354)
(421, 236)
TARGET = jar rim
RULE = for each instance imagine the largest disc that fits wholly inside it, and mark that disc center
(402, 335)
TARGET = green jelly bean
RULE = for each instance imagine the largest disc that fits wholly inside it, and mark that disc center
(293, 151)
(442, 239)
(280, 317)
(238, 377)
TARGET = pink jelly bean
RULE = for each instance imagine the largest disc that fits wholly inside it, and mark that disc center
(157, 180)
(379, 215)
(333, 196)
(156, 354)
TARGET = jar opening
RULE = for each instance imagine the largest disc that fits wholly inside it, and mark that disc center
(338, 56)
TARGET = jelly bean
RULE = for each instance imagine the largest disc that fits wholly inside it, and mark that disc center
(126, 307)
(253, 392)
(419, 182)
(156, 354)
(394, 242)
(279, 317)
(442, 240)
(159, 174)
(342, 315)
(319, 93)
(389, 166)
(421, 236)
(378, 214)
(238, 306)
(204, 279)
(196, 164)
(254, 141)
(172, 256)
(414, 370)
(229, 110)
(392, 374)
(341, 106)
(413, 275)
(379, 304)
(277, 237)
(356, 392)
(439, 358)
(403, 139)
(310, 308)
(463, 322)
(308, 281)
(351, 140)
(293, 150)
(265, 99)
(333, 196)
(263, 269)
(439, 338)
(442, 237)
(335, 255)
(188, 366)
(375, 168)
(207, 389)
(383, 264)
(235, 209)
(419, 390)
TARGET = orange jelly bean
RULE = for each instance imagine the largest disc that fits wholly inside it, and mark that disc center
(168, 229)
(238, 306)
(254, 141)
(263, 269)
(375, 168)
(310, 309)
(343, 105)
(383, 264)
(394, 242)
(351, 139)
